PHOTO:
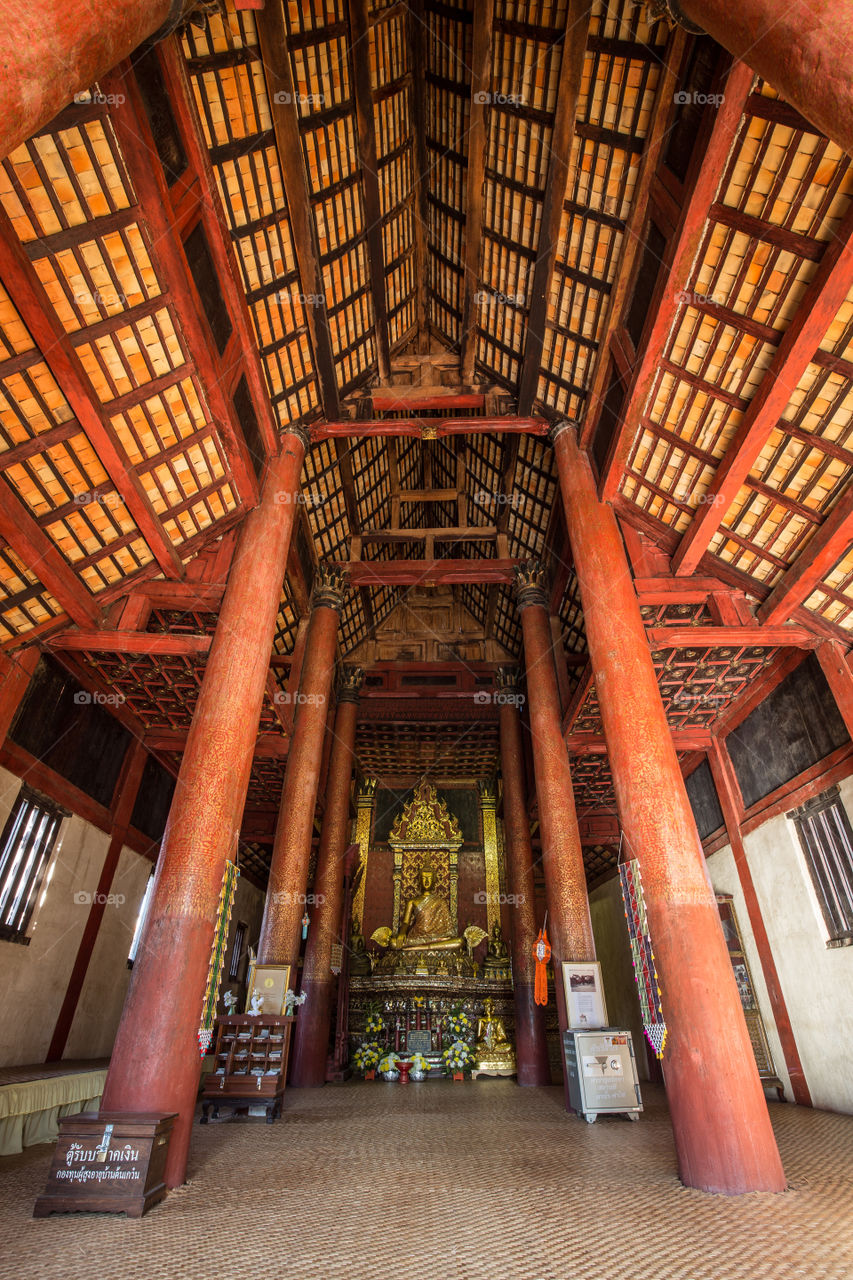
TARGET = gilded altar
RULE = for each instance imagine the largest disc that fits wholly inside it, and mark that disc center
(428, 958)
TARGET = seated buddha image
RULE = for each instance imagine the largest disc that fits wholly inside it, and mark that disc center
(426, 923)
(493, 1050)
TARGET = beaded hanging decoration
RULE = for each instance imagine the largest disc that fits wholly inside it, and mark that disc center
(643, 956)
(217, 955)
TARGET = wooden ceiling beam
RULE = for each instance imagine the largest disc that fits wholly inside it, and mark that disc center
(699, 195)
(269, 746)
(824, 296)
(32, 303)
(409, 573)
(153, 643)
(481, 83)
(509, 466)
(594, 744)
(820, 555)
(418, 58)
(469, 533)
(360, 68)
(556, 185)
(281, 91)
(784, 637)
(656, 138)
(426, 428)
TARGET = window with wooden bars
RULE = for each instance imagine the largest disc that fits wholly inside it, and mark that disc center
(26, 845)
(826, 838)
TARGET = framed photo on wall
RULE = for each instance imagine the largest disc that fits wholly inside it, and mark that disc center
(584, 995)
(270, 981)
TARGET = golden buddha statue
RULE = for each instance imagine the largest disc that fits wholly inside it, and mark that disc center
(497, 956)
(494, 1053)
(426, 923)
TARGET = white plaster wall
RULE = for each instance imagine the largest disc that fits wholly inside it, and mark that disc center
(35, 977)
(817, 982)
(725, 879)
(105, 986)
(613, 950)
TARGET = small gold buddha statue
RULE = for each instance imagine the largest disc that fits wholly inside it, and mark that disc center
(426, 923)
(497, 956)
(494, 1053)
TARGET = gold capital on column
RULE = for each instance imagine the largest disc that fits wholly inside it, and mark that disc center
(349, 684)
(673, 15)
(531, 584)
(330, 587)
(508, 682)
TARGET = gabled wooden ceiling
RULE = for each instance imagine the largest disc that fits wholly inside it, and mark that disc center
(347, 212)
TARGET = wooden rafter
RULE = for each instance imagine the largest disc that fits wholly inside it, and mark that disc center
(556, 185)
(594, 744)
(360, 60)
(428, 428)
(47, 331)
(130, 123)
(819, 307)
(679, 259)
(154, 643)
(272, 34)
(658, 133)
(481, 81)
(786, 637)
(420, 211)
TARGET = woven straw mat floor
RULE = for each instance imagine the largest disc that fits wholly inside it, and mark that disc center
(442, 1181)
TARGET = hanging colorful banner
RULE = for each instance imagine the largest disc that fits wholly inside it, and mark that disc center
(541, 954)
(217, 956)
(643, 956)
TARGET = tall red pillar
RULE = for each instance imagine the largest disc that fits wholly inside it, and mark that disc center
(49, 51)
(569, 922)
(723, 1135)
(155, 1064)
(315, 1017)
(801, 48)
(285, 906)
(531, 1047)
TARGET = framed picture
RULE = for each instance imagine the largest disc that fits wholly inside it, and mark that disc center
(270, 981)
(584, 995)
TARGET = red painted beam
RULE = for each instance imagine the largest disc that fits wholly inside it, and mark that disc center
(427, 429)
(835, 665)
(819, 307)
(44, 559)
(594, 744)
(662, 591)
(680, 258)
(148, 642)
(824, 549)
(15, 675)
(715, 637)
(407, 573)
(269, 746)
(410, 402)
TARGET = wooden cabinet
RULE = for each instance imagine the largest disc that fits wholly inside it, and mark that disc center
(250, 1065)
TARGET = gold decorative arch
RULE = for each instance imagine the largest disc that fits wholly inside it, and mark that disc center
(425, 832)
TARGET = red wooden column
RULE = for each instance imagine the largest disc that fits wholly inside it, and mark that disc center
(569, 923)
(801, 48)
(49, 51)
(155, 1064)
(839, 676)
(531, 1048)
(723, 1135)
(315, 1018)
(285, 905)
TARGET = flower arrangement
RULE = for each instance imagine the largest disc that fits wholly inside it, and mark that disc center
(292, 1001)
(389, 1062)
(458, 1057)
(374, 1025)
(419, 1062)
(366, 1057)
(458, 1023)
